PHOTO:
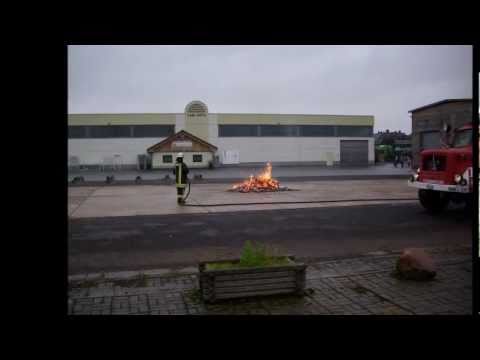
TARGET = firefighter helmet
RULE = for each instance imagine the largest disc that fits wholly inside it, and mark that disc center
(179, 155)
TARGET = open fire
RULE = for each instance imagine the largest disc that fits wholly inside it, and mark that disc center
(260, 183)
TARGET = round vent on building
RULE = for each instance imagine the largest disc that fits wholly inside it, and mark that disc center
(196, 108)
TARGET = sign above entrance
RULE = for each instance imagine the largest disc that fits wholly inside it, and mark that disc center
(182, 144)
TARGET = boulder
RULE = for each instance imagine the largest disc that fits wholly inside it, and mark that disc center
(415, 264)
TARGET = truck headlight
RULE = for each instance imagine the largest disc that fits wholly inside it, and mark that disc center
(457, 178)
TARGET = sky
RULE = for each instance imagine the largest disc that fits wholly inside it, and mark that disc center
(383, 81)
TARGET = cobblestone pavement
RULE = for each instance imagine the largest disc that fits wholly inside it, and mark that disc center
(354, 286)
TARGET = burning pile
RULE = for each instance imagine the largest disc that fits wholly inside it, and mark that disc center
(259, 183)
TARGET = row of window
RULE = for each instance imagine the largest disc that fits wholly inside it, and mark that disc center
(295, 130)
(168, 159)
(120, 131)
(145, 131)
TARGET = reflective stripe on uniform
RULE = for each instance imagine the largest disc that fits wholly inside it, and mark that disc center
(178, 179)
(179, 173)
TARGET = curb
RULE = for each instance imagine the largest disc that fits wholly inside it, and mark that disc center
(193, 270)
(126, 275)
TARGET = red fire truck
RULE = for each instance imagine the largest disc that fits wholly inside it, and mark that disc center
(446, 175)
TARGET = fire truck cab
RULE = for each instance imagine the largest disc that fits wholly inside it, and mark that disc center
(446, 174)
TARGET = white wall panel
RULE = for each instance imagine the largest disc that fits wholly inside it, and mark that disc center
(93, 151)
(179, 122)
(212, 129)
(256, 149)
(263, 149)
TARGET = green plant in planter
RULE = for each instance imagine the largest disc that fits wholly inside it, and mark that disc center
(253, 255)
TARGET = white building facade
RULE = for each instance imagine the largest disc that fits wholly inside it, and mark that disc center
(96, 139)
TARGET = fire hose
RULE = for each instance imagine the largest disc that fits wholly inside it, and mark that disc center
(294, 202)
(188, 192)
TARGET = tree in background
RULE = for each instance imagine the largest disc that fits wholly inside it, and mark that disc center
(385, 143)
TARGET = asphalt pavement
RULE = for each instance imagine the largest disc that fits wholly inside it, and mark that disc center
(153, 241)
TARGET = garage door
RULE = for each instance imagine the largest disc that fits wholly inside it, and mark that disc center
(354, 152)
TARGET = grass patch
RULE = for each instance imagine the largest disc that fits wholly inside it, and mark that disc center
(236, 265)
(253, 255)
(194, 295)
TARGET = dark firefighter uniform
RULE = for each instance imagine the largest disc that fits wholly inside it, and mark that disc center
(180, 171)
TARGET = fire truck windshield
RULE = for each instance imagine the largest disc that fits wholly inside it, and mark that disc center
(462, 138)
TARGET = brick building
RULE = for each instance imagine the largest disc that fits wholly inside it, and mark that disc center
(428, 121)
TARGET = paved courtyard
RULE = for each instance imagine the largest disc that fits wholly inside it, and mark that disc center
(348, 286)
(104, 201)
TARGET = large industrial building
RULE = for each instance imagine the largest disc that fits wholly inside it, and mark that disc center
(209, 139)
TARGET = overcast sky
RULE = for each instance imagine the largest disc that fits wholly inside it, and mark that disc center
(384, 81)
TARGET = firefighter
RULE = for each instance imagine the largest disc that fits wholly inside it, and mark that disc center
(180, 171)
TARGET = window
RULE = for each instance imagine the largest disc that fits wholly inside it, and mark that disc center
(99, 131)
(197, 158)
(278, 130)
(294, 130)
(77, 132)
(354, 131)
(430, 140)
(463, 138)
(167, 158)
(120, 131)
(237, 130)
(317, 130)
(109, 131)
(145, 131)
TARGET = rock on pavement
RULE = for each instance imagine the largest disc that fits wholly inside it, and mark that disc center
(415, 264)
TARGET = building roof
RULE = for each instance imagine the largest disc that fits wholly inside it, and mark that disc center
(446, 101)
(222, 119)
(182, 134)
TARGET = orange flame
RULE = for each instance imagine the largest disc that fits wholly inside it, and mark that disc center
(261, 182)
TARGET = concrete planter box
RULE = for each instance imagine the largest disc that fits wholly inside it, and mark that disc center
(248, 282)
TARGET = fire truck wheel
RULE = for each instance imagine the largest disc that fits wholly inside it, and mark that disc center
(433, 201)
